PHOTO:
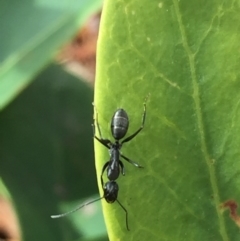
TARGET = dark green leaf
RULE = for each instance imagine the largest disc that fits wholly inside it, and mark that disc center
(46, 156)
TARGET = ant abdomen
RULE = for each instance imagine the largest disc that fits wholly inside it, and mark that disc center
(119, 124)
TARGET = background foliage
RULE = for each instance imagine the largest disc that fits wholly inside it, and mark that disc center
(46, 153)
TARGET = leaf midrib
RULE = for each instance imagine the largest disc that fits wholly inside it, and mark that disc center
(196, 98)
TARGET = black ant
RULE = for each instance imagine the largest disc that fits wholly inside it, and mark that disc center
(110, 193)
(119, 128)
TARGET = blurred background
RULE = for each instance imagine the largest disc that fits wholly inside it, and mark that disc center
(46, 140)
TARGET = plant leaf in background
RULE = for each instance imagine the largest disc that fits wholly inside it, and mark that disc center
(9, 227)
(186, 55)
(46, 157)
(31, 33)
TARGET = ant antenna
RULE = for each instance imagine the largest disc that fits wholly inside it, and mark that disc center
(74, 210)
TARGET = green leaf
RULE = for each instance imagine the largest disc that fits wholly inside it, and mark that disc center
(31, 34)
(8, 219)
(3, 190)
(186, 54)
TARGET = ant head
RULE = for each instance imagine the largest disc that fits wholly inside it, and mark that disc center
(110, 194)
(110, 191)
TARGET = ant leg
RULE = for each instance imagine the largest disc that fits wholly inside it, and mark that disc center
(142, 125)
(122, 167)
(130, 161)
(104, 142)
(126, 214)
(96, 119)
(103, 170)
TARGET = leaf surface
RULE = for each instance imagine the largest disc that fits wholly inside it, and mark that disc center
(186, 55)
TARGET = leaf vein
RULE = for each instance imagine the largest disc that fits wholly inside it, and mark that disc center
(197, 102)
